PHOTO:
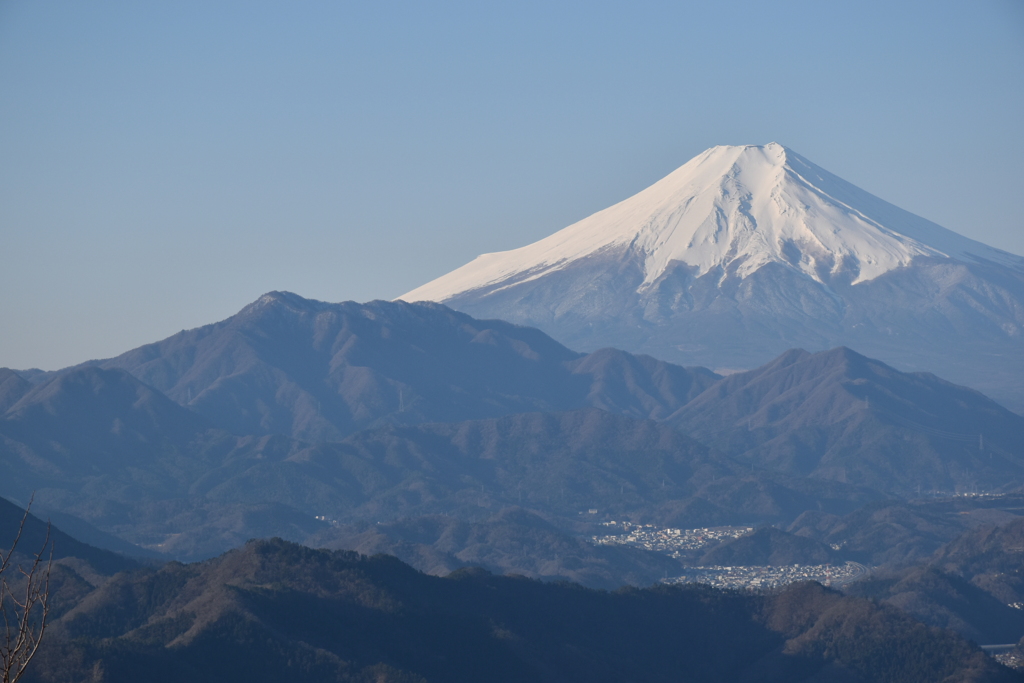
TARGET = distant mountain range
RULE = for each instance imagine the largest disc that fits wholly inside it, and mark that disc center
(195, 490)
(745, 252)
(625, 435)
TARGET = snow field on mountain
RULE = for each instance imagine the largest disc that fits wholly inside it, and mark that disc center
(738, 208)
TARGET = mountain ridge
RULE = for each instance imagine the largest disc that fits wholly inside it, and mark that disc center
(320, 371)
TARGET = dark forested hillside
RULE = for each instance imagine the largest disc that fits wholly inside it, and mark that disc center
(946, 600)
(275, 611)
(991, 557)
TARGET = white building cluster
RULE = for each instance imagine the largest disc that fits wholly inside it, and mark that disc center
(755, 578)
(668, 540)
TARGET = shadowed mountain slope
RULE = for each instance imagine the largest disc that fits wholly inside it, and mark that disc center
(97, 429)
(108, 449)
(839, 415)
(882, 532)
(12, 388)
(947, 601)
(276, 611)
(117, 454)
(101, 433)
(34, 537)
(974, 584)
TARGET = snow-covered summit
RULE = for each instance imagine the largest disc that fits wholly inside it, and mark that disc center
(737, 208)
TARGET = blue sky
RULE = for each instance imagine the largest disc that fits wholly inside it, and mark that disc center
(163, 164)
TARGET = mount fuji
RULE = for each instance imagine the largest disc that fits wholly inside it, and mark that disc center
(746, 251)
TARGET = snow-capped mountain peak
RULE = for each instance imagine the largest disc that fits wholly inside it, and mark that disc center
(734, 208)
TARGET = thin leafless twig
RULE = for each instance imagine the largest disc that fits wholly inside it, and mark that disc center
(24, 613)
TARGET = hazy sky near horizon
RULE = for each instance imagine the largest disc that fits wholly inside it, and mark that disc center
(164, 164)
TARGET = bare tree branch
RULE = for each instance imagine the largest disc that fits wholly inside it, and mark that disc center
(24, 613)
